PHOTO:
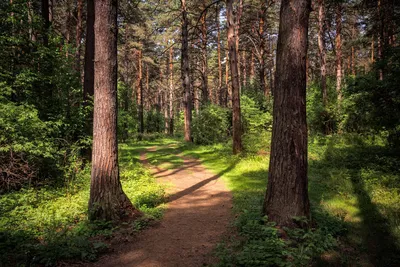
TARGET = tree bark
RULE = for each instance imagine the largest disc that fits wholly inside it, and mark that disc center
(236, 120)
(237, 38)
(206, 94)
(78, 36)
(261, 48)
(220, 89)
(107, 199)
(287, 190)
(171, 92)
(46, 21)
(338, 44)
(139, 92)
(322, 49)
(228, 95)
(185, 68)
(88, 81)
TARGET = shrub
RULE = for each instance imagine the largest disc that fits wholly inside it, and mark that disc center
(210, 125)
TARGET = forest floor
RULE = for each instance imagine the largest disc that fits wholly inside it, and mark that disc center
(197, 218)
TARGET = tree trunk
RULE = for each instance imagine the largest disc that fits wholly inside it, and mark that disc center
(220, 89)
(322, 49)
(107, 199)
(237, 38)
(139, 92)
(78, 36)
(236, 120)
(187, 99)
(46, 20)
(171, 92)
(261, 48)
(338, 44)
(206, 94)
(228, 96)
(88, 81)
(252, 67)
(287, 190)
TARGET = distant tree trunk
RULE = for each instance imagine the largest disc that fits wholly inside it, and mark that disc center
(372, 50)
(88, 80)
(338, 44)
(244, 64)
(237, 40)
(252, 67)
(206, 94)
(228, 96)
(32, 35)
(46, 20)
(236, 120)
(78, 36)
(171, 92)
(139, 91)
(380, 37)
(287, 190)
(221, 92)
(51, 11)
(107, 199)
(322, 50)
(261, 48)
(187, 99)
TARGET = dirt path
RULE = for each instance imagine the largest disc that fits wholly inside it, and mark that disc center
(197, 217)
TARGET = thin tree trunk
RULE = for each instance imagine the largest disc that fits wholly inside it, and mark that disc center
(287, 190)
(107, 199)
(237, 36)
(78, 37)
(139, 92)
(252, 67)
(236, 120)
(244, 64)
(88, 81)
(220, 89)
(46, 20)
(261, 48)
(171, 92)
(187, 101)
(372, 50)
(228, 96)
(206, 94)
(322, 49)
(338, 44)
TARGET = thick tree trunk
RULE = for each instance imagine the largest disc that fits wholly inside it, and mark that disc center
(338, 44)
(322, 49)
(236, 120)
(206, 94)
(139, 92)
(78, 36)
(287, 190)
(88, 81)
(107, 199)
(187, 99)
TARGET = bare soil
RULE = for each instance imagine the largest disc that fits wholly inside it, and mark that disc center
(197, 218)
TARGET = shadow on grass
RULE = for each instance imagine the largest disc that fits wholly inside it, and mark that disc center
(375, 230)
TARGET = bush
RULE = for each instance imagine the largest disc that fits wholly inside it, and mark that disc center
(210, 125)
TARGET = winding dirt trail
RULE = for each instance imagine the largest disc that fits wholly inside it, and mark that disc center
(197, 218)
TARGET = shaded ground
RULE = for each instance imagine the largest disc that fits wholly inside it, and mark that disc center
(198, 216)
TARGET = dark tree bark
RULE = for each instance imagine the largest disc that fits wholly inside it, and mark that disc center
(287, 190)
(236, 120)
(206, 94)
(322, 49)
(107, 199)
(338, 49)
(187, 98)
(46, 21)
(78, 35)
(221, 93)
(88, 81)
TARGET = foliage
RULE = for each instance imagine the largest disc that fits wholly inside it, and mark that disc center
(210, 125)
(154, 121)
(43, 226)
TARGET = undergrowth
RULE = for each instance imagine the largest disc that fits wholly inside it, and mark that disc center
(353, 188)
(41, 226)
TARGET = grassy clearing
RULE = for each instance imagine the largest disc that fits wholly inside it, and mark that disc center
(43, 226)
(354, 192)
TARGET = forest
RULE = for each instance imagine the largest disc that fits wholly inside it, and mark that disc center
(199, 133)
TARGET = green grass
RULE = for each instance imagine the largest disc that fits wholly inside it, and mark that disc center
(43, 226)
(354, 193)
